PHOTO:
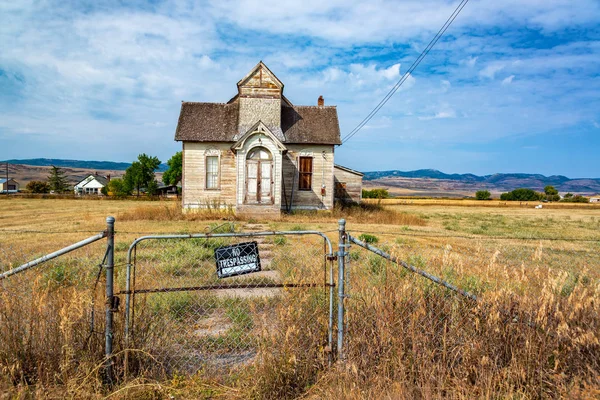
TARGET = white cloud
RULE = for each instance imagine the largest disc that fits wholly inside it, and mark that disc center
(508, 80)
(106, 71)
(442, 114)
(491, 70)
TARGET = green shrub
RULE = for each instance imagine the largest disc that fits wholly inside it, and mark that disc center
(375, 194)
(367, 238)
(483, 195)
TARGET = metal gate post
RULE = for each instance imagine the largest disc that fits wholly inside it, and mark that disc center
(341, 295)
(110, 263)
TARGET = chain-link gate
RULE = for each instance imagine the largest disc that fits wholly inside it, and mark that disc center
(214, 301)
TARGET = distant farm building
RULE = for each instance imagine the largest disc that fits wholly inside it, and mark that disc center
(595, 199)
(92, 184)
(258, 153)
(8, 186)
(348, 184)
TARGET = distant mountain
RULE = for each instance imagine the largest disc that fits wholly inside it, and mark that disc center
(498, 182)
(99, 165)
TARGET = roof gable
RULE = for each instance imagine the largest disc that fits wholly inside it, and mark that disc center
(260, 82)
(259, 127)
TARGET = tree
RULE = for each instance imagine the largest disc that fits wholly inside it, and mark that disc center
(551, 193)
(141, 173)
(57, 181)
(482, 195)
(521, 195)
(152, 188)
(375, 194)
(116, 187)
(172, 176)
(38, 187)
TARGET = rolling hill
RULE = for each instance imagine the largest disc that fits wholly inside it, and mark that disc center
(427, 180)
(78, 164)
(423, 182)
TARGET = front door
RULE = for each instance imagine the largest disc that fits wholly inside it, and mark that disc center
(259, 177)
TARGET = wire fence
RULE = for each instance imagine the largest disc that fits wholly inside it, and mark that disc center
(229, 298)
(51, 316)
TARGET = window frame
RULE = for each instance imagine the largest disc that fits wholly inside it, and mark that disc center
(305, 173)
(218, 178)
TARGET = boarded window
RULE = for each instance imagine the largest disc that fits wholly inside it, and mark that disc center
(212, 172)
(12, 187)
(306, 169)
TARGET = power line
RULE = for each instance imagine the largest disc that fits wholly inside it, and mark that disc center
(407, 74)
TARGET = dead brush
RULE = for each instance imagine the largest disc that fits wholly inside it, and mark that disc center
(408, 338)
(46, 339)
(174, 212)
(364, 213)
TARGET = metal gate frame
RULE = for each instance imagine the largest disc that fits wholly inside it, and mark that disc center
(329, 256)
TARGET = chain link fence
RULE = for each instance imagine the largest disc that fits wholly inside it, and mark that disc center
(496, 301)
(51, 316)
(217, 301)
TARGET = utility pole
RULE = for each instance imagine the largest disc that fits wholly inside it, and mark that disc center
(7, 178)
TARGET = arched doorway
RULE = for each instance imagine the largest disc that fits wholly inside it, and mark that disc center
(259, 176)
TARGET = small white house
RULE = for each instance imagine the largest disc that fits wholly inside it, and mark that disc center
(92, 184)
(8, 186)
(595, 199)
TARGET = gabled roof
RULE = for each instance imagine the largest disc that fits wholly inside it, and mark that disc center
(352, 171)
(256, 68)
(258, 128)
(218, 122)
(101, 179)
(207, 122)
(310, 124)
(3, 180)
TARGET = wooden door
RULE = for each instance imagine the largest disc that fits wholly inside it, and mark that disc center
(265, 186)
(252, 192)
(259, 184)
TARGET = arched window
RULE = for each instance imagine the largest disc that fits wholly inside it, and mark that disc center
(259, 153)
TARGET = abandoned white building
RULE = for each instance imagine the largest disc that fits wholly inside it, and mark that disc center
(259, 153)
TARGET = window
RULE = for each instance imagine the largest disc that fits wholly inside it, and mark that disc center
(212, 172)
(305, 172)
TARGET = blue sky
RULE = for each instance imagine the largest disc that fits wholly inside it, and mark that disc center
(514, 86)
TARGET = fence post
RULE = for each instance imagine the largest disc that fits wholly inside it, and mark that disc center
(110, 263)
(341, 295)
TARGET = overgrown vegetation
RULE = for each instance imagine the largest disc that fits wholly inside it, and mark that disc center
(375, 194)
(535, 332)
(483, 195)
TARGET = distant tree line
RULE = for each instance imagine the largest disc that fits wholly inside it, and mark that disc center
(139, 178)
(549, 194)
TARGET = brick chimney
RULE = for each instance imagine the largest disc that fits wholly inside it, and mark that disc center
(321, 101)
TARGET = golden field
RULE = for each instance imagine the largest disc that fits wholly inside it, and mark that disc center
(534, 333)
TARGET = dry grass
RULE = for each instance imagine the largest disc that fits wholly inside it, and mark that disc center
(534, 334)
(480, 203)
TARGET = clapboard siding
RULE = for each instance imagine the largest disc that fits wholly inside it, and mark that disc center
(322, 176)
(352, 183)
(194, 179)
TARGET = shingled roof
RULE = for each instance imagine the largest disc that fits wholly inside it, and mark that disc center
(218, 122)
(207, 122)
